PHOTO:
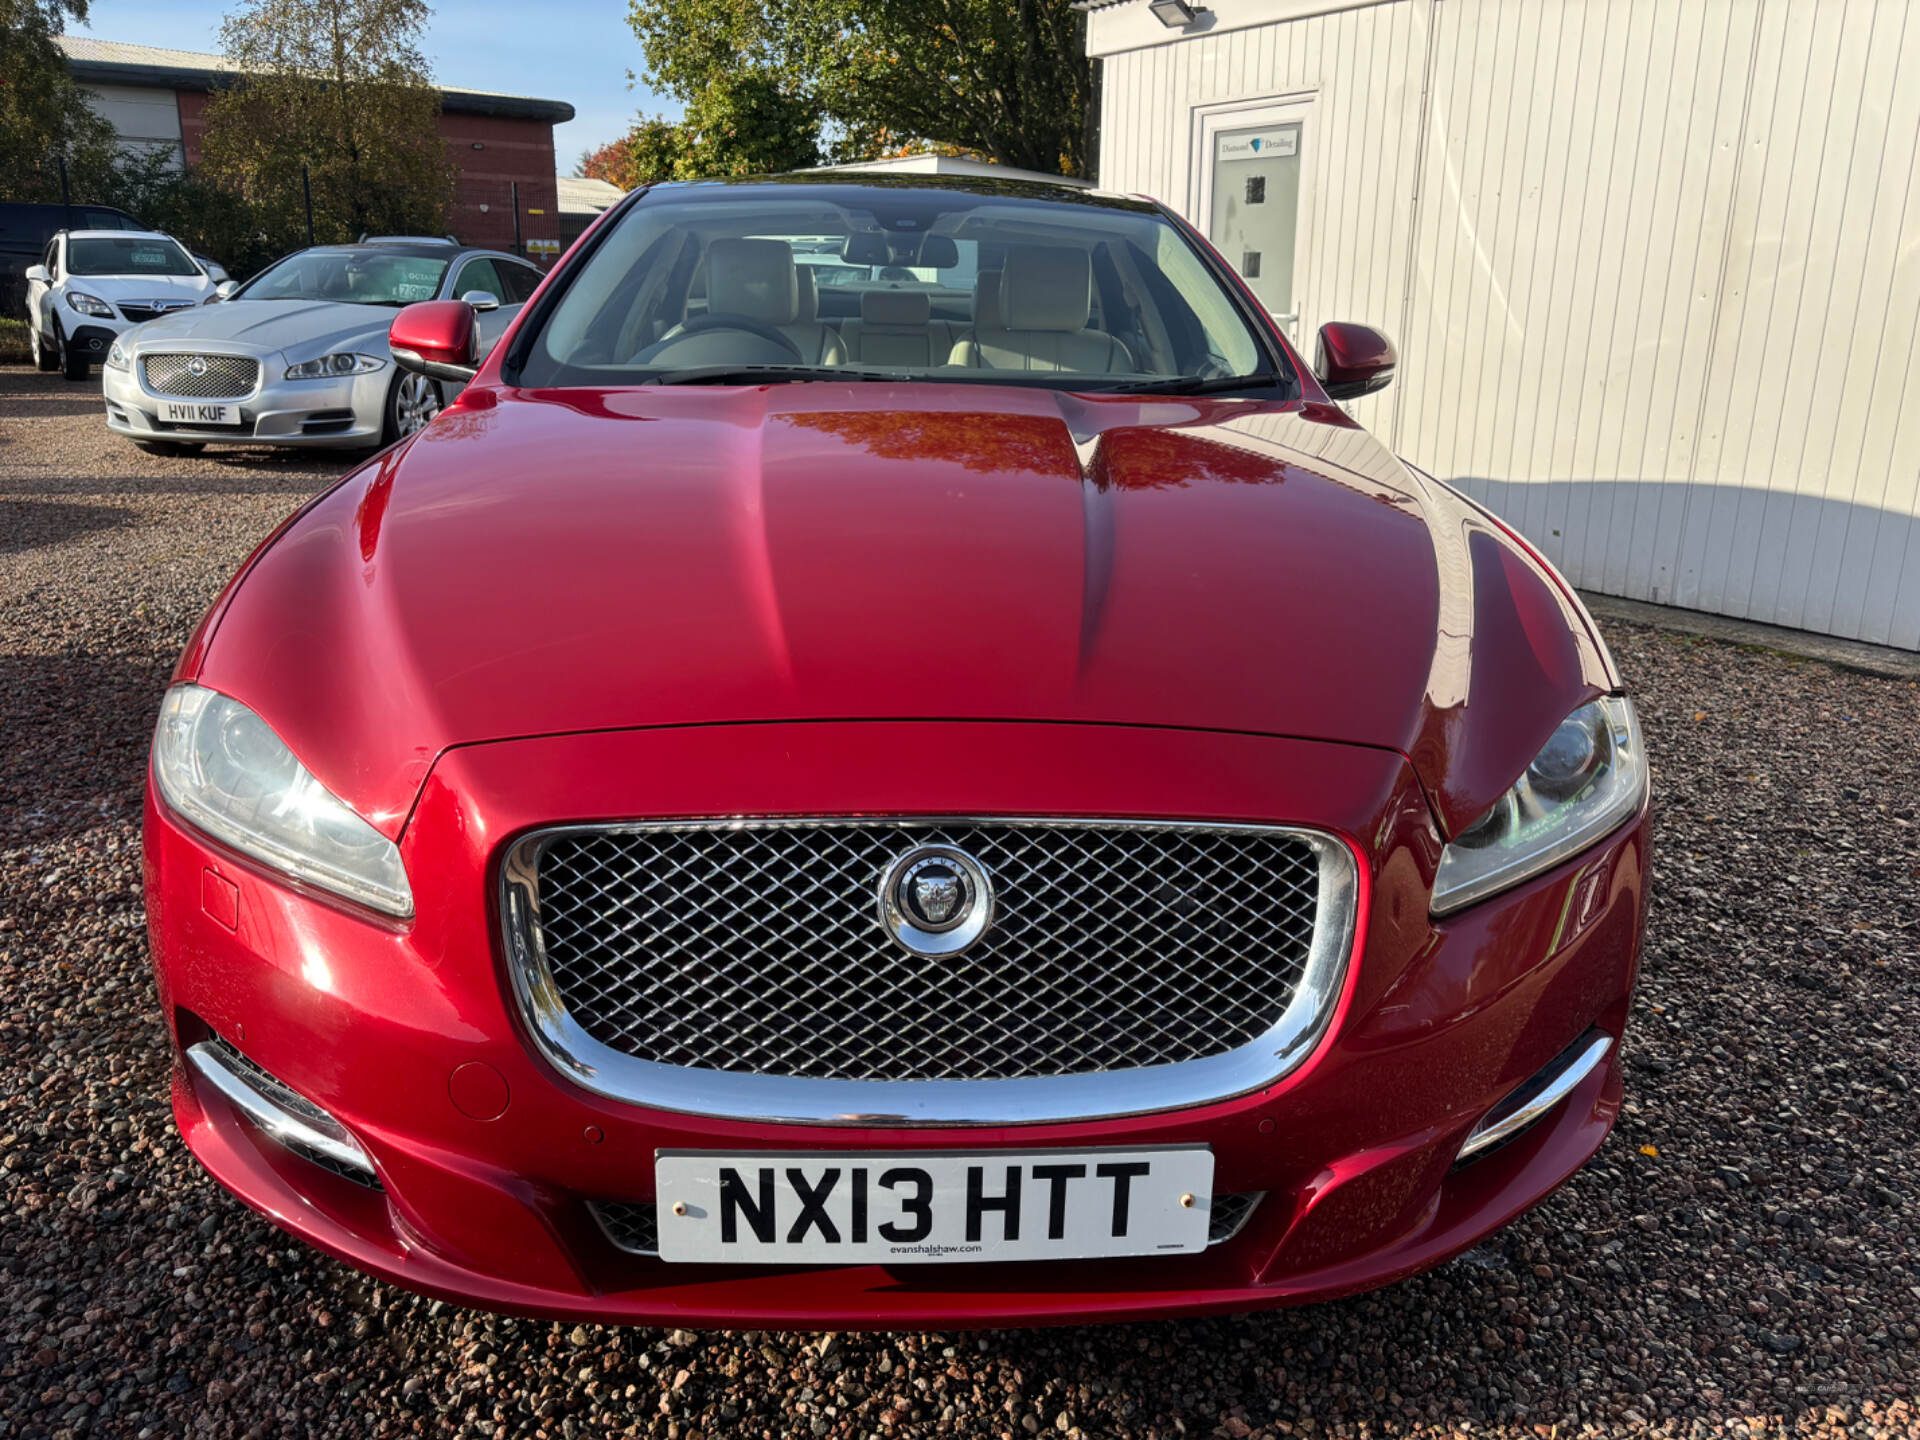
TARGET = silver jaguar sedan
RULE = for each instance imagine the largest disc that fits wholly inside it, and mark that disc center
(298, 355)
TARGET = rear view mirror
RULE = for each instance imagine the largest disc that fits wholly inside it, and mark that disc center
(938, 252)
(867, 247)
(37, 274)
(1352, 360)
(436, 338)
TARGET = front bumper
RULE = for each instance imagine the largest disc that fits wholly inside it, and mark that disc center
(346, 413)
(91, 337)
(487, 1158)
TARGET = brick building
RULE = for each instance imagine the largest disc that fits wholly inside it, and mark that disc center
(500, 144)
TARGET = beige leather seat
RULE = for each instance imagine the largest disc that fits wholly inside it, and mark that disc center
(1046, 297)
(757, 280)
(896, 327)
(806, 309)
(986, 300)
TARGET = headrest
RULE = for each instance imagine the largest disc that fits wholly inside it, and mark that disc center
(806, 308)
(753, 279)
(938, 252)
(1045, 287)
(986, 300)
(895, 307)
(867, 247)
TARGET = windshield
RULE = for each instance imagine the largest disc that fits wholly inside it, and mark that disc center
(783, 280)
(351, 277)
(133, 255)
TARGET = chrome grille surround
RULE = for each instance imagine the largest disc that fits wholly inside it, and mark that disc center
(140, 311)
(1228, 1043)
(227, 377)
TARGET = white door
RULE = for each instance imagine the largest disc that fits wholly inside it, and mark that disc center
(1251, 165)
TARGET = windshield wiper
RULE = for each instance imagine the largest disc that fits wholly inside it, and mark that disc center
(761, 374)
(1192, 385)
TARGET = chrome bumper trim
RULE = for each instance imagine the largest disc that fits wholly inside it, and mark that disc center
(729, 1095)
(1534, 1099)
(307, 1129)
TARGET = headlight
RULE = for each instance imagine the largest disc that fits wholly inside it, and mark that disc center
(116, 356)
(89, 304)
(1590, 776)
(328, 366)
(224, 769)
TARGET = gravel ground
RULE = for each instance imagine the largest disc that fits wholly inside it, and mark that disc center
(1740, 1257)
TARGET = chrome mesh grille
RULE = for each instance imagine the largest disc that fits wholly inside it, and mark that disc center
(227, 377)
(757, 948)
(631, 1225)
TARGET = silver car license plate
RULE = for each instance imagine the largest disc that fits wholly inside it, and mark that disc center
(198, 412)
(786, 1207)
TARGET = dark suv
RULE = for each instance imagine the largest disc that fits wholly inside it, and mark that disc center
(25, 230)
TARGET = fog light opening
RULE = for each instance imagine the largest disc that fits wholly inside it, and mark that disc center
(1533, 1100)
(289, 1118)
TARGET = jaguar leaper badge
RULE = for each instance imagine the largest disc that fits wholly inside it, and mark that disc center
(936, 896)
(936, 900)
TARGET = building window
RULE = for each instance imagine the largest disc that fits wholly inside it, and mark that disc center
(1256, 207)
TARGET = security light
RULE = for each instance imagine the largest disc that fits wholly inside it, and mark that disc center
(1174, 14)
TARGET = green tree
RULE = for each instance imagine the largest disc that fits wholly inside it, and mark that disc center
(44, 115)
(340, 88)
(743, 124)
(206, 216)
(1007, 79)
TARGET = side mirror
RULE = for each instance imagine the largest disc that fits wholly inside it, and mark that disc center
(218, 273)
(37, 274)
(1352, 360)
(481, 300)
(436, 338)
(224, 290)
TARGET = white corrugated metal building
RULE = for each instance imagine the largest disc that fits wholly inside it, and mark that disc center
(1652, 266)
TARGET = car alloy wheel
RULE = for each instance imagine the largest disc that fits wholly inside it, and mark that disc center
(416, 401)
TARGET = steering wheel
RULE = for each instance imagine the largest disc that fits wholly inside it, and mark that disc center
(700, 323)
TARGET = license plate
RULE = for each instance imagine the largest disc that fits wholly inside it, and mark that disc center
(839, 1209)
(198, 412)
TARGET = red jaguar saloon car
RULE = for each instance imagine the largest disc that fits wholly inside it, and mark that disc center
(896, 760)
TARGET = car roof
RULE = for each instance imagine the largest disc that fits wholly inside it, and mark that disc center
(119, 235)
(420, 250)
(841, 188)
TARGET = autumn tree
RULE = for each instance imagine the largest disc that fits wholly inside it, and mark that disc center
(1006, 79)
(340, 89)
(607, 163)
(44, 116)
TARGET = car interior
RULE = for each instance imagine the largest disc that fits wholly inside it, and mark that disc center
(1049, 321)
(992, 289)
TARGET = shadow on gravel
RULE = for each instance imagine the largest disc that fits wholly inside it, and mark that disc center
(76, 728)
(26, 394)
(194, 478)
(32, 524)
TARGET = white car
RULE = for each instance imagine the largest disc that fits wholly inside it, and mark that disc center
(298, 355)
(93, 285)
